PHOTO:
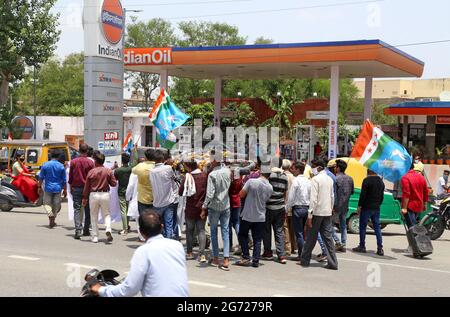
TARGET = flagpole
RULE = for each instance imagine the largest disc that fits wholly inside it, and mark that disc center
(139, 138)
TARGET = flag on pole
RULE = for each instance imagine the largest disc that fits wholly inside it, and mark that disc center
(381, 154)
(128, 143)
(166, 117)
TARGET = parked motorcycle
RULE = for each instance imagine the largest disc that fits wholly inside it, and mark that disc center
(439, 219)
(94, 276)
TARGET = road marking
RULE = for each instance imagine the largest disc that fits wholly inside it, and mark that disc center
(80, 265)
(398, 265)
(20, 257)
(207, 284)
(280, 295)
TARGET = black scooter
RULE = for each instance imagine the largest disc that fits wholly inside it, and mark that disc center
(11, 197)
(94, 276)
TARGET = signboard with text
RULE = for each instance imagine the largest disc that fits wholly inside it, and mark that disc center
(443, 120)
(103, 22)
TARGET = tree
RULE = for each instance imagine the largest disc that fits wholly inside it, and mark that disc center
(28, 36)
(154, 33)
(209, 34)
(72, 110)
(59, 84)
(203, 34)
(263, 40)
(201, 111)
(282, 105)
(243, 114)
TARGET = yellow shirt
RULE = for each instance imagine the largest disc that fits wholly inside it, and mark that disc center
(145, 193)
(308, 172)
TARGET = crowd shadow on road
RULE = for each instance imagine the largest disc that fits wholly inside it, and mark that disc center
(374, 255)
(26, 212)
(407, 254)
(386, 234)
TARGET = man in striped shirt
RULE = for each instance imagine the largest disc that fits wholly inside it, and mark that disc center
(275, 215)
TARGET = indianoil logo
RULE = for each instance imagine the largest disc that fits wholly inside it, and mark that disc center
(112, 23)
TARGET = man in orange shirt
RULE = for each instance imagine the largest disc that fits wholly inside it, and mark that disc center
(414, 196)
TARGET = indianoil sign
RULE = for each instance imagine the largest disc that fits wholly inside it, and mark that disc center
(103, 22)
(147, 56)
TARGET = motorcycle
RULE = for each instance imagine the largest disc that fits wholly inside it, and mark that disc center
(10, 197)
(94, 276)
(439, 219)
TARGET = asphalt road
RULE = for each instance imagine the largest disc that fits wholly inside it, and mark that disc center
(37, 261)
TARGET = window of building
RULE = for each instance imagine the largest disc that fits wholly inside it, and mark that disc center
(405, 92)
(46, 135)
(416, 134)
(149, 136)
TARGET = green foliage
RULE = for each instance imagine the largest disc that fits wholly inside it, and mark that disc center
(195, 33)
(58, 83)
(201, 111)
(282, 105)
(209, 34)
(154, 33)
(28, 36)
(244, 115)
(6, 124)
(72, 110)
(263, 40)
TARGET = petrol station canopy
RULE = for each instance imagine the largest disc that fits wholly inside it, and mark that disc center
(332, 60)
(356, 59)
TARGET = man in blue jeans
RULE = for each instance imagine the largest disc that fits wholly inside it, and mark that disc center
(299, 199)
(217, 206)
(370, 200)
(165, 192)
(344, 189)
(257, 192)
(79, 168)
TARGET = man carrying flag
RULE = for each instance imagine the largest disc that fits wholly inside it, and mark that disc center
(387, 158)
(381, 154)
(128, 143)
(166, 117)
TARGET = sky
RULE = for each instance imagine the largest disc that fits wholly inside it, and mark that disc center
(403, 23)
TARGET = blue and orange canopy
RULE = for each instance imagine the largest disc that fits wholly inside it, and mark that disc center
(357, 59)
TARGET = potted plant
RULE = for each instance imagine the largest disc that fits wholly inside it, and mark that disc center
(439, 153)
(447, 155)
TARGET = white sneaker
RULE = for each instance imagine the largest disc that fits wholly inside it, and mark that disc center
(94, 239)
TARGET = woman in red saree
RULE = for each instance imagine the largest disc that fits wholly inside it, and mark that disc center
(22, 179)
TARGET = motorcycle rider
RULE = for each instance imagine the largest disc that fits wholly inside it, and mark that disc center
(158, 268)
(442, 186)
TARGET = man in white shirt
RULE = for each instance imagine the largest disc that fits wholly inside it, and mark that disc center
(158, 268)
(319, 216)
(165, 191)
(299, 200)
(442, 186)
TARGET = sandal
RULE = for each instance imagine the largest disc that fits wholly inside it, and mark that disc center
(211, 262)
(224, 267)
(243, 262)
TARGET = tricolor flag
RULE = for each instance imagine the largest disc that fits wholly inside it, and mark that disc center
(127, 145)
(378, 152)
(166, 117)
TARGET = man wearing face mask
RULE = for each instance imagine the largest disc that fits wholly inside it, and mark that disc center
(418, 165)
(442, 186)
(319, 216)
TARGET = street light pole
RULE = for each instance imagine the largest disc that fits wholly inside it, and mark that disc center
(124, 23)
(34, 100)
